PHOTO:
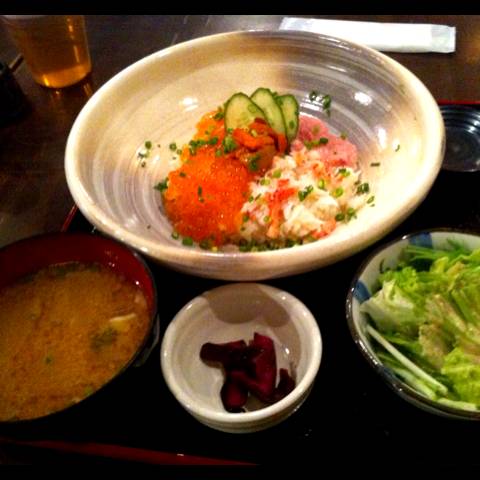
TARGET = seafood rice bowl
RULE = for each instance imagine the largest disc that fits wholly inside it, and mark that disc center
(255, 185)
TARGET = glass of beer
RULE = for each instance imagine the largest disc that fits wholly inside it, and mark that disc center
(54, 47)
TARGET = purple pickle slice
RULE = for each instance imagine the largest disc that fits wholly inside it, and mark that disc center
(234, 396)
(248, 369)
(264, 364)
(221, 352)
(285, 385)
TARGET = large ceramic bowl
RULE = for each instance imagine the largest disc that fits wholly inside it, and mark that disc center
(382, 107)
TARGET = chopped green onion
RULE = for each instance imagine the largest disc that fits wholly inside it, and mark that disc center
(205, 244)
(302, 194)
(173, 146)
(187, 241)
(219, 115)
(253, 163)
(148, 144)
(88, 390)
(229, 144)
(326, 103)
(351, 213)
(316, 143)
(338, 192)
(175, 235)
(340, 217)
(363, 188)
(195, 144)
(161, 186)
(321, 184)
(371, 199)
(277, 173)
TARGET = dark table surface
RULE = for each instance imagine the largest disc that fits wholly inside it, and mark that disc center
(349, 405)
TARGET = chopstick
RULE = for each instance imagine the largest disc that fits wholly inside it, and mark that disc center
(119, 452)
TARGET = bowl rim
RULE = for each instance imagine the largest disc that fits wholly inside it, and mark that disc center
(154, 320)
(235, 419)
(183, 256)
(398, 386)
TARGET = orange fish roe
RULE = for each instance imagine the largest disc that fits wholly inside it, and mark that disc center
(205, 196)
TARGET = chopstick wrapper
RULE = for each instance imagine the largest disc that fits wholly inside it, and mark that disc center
(386, 37)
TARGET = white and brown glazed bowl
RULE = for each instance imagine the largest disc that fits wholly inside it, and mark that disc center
(381, 106)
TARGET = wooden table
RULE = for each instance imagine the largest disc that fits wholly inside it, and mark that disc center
(34, 196)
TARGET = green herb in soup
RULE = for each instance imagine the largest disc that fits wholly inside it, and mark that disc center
(64, 332)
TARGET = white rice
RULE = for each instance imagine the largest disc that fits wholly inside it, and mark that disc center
(310, 210)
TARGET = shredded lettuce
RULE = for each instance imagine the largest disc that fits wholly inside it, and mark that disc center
(427, 309)
(464, 371)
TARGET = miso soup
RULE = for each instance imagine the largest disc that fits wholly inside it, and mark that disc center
(64, 332)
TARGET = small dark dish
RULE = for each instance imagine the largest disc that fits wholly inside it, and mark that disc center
(462, 125)
(26, 257)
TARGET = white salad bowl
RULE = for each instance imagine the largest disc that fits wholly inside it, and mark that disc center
(365, 283)
(382, 107)
(235, 312)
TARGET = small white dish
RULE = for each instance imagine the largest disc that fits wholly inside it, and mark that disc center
(235, 312)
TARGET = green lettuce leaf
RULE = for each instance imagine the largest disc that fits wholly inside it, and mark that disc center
(393, 311)
(463, 369)
(429, 309)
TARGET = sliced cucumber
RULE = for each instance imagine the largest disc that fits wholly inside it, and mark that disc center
(241, 111)
(290, 110)
(264, 98)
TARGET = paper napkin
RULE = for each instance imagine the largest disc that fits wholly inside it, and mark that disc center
(387, 37)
